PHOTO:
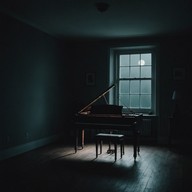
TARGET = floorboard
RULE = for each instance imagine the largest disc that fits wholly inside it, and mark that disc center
(57, 168)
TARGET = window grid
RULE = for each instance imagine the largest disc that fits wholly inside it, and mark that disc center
(129, 95)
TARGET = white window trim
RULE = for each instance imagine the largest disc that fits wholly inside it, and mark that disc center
(113, 70)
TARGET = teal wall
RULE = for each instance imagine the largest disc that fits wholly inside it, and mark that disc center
(31, 73)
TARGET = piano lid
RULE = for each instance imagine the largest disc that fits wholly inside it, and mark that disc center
(92, 102)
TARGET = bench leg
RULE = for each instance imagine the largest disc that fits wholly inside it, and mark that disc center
(115, 151)
(99, 141)
(96, 148)
(101, 145)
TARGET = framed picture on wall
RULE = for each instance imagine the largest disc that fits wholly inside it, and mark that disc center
(179, 73)
(90, 79)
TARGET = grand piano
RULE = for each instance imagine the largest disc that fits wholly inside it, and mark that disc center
(106, 117)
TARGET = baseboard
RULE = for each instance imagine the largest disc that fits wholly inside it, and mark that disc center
(13, 151)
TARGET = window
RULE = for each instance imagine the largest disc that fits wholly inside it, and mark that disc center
(133, 72)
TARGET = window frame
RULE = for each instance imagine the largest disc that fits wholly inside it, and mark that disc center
(114, 74)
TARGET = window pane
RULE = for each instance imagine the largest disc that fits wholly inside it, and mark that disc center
(124, 60)
(134, 87)
(146, 101)
(123, 87)
(124, 100)
(147, 58)
(145, 86)
(135, 59)
(124, 72)
(134, 101)
(134, 72)
(146, 71)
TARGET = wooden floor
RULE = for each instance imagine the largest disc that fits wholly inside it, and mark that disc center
(57, 168)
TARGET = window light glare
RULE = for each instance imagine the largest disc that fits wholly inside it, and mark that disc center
(141, 62)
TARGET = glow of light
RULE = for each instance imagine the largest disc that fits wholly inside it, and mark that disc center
(141, 62)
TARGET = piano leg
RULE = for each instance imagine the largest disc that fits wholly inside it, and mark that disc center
(82, 138)
(136, 147)
(77, 140)
(138, 142)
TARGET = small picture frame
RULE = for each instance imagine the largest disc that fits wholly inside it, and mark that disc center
(179, 73)
(90, 79)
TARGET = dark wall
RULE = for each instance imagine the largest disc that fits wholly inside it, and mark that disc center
(86, 57)
(173, 51)
(31, 73)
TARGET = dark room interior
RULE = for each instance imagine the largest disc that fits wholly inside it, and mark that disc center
(58, 57)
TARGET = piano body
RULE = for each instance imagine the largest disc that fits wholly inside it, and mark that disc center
(108, 117)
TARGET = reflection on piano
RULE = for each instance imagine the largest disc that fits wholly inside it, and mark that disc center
(108, 117)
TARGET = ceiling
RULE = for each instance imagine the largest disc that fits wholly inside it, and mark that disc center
(81, 19)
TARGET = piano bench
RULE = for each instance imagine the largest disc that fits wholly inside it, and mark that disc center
(111, 138)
